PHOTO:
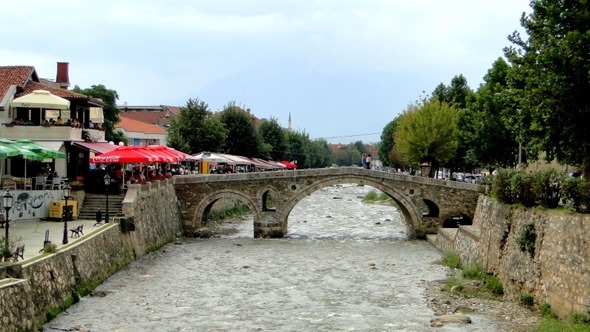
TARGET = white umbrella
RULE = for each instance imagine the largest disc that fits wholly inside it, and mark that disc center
(41, 99)
(210, 157)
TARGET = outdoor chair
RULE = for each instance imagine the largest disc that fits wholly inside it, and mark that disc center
(56, 183)
(39, 183)
(28, 184)
(9, 184)
(19, 252)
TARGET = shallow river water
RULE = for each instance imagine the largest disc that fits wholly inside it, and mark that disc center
(344, 266)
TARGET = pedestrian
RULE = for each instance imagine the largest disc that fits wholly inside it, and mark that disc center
(364, 160)
(368, 161)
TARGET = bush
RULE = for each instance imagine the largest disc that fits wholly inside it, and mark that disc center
(452, 260)
(577, 192)
(494, 285)
(546, 312)
(521, 189)
(527, 239)
(547, 187)
(501, 187)
(527, 300)
(474, 272)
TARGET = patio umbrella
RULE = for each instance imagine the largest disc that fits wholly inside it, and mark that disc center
(40, 149)
(211, 157)
(126, 154)
(288, 164)
(19, 151)
(41, 99)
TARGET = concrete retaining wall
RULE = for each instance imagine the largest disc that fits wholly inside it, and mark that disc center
(557, 273)
(46, 286)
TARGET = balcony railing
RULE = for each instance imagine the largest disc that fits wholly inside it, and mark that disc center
(53, 133)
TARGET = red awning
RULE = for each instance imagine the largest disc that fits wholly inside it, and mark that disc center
(98, 147)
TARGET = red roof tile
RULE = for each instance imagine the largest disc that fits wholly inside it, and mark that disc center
(15, 75)
(130, 124)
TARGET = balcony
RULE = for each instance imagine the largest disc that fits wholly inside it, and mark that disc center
(54, 133)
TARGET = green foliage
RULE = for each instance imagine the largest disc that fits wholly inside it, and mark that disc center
(487, 128)
(387, 143)
(110, 110)
(373, 196)
(501, 187)
(298, 148)
(242, 138)
(347, 155)
(273, 134)
(526, 300)
(49, 248)
(237, 210)
(474, 272)
(527, 239)
(545, 310)
(551, 78)
(494, 285)
(320, 155)
(196, 129)
(577, 192)
(547, 187)
(580, 318)
(427, 132)
(521, 188)
(452, 260)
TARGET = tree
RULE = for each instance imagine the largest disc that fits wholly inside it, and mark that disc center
(273, 137)
(347, 155)
(387, 143)
(196, 130)
(457, 94)
(488, 128)
(298, 148)
(320, 154)
(242, 138)
(427, 132)
(552, 80)
(110, 110)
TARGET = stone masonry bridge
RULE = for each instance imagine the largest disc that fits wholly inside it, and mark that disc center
(424, 202)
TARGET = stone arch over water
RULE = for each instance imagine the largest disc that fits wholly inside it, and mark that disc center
(203, 209)
(408, 209)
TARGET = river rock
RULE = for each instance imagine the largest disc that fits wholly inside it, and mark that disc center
(446, 319)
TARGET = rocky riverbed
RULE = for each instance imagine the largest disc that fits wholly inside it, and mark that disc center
(509, 316)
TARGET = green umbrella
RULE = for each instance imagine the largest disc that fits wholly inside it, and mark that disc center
(18, 151)
(40, 149)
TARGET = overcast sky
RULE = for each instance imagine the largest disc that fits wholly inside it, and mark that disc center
(343, 69)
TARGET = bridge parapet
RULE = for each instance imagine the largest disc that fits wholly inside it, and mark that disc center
(424, 202)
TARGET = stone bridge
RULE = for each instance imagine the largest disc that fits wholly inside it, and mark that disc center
(424, 202)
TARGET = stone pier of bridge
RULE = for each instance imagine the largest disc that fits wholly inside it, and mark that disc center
(425, 203)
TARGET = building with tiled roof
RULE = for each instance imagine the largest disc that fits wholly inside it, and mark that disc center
(30, 120)
(141, 133)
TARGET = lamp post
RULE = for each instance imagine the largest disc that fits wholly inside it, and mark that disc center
(107, 185)
(7, 200)
(66, 191)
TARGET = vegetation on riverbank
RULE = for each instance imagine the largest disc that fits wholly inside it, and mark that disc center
(373, 197)
(492, 289)
(236, 211)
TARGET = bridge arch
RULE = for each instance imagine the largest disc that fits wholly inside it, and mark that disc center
(409, 210)
(203, 209)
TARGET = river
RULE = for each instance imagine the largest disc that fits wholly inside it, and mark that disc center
(343, 266)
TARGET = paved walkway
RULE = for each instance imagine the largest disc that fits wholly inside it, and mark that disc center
(32, 233)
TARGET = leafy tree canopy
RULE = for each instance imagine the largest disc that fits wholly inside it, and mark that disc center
(274, 137)
(196, 129)
(427, 132)
(110, 110)
(552, 79)
(243, 138)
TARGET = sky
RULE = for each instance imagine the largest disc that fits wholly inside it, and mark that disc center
(342, 69)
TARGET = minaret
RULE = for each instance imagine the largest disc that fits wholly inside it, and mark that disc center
(290, 128)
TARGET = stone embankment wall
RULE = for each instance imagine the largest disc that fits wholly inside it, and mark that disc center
(44, 287)
(557, 269)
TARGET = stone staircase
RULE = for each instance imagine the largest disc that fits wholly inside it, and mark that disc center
(93, 202)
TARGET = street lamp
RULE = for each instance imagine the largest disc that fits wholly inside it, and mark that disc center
(67, 191)
(7, 200)
(107, 184)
